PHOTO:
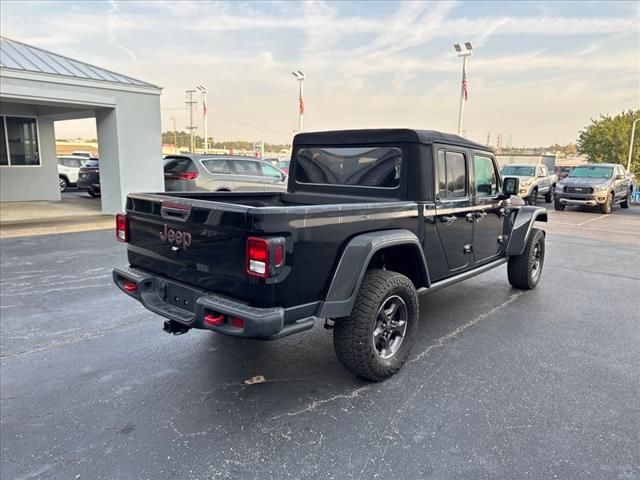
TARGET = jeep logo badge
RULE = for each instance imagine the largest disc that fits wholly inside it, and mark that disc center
(177, 238)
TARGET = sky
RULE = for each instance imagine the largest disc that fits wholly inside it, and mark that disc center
(539, 70)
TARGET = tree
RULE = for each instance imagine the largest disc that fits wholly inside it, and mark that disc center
(606, 140)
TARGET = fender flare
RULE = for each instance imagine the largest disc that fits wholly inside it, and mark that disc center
(353, 264)
(522, 225)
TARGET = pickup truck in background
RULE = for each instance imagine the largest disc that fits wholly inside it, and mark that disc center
(534, 180)
(600, 185)
(370, 220)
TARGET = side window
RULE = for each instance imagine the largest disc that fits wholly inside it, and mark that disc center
(486, 180)
(217, 166)
(452, 175)
(247, 167)
(269, 171)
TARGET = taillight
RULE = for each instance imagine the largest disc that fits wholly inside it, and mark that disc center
(122, 227)
(257, 257)
(182, 176)
(264, 256)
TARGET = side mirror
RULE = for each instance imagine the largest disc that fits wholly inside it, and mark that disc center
(510, 186)
(619, 177)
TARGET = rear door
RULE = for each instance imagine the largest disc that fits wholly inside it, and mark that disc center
(453, 203)
(488, 211)
(247, 175)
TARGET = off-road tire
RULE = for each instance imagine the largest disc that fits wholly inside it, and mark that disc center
(607, 206)
(63, 183)
(627, 200)
(548, 197)
(353, 335)
(558, 205)
(533, 198)
(524, 270)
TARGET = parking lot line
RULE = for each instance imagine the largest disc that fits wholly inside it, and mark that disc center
(593, 220)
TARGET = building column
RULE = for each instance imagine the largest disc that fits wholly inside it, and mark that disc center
(129, 142)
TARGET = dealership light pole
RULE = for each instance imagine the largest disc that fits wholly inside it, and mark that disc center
(633, 132)
(202, 89)
(463, 87)
(299, 74)
(190, 103)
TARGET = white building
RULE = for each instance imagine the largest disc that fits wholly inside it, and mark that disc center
(38, 87)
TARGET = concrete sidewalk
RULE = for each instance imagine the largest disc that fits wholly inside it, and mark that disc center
(74, 213)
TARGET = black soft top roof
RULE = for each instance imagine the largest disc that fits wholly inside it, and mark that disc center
(383, 135)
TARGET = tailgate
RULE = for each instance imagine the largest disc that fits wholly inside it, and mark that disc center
(194, 241)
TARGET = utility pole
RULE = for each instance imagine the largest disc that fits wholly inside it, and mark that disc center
(175, 135)
(203, 90)
(633, 132)
(463, 86)
(190, 103)
(299, 74)
(488, 138)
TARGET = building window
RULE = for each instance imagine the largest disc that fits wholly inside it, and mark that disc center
(19, 142)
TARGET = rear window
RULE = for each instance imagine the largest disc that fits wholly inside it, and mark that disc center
(179, 165)
(91, 163)
(355, 166)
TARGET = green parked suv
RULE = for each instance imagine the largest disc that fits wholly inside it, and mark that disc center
(594, 185)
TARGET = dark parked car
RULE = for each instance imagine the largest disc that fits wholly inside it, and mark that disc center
(221, 173)
(89, 177)
(370, 220)
(595, 185)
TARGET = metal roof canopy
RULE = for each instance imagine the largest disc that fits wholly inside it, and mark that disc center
(19, 56)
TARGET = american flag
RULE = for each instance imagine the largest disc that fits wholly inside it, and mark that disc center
(465, 84)
(301, 102)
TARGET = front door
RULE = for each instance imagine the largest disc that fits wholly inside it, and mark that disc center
(488, 212)
(247, 176)
(453, 201)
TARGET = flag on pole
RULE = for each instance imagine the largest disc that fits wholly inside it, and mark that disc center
(465, 85)
(301, 102)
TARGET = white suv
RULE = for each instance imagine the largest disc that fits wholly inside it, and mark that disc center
(68, 168)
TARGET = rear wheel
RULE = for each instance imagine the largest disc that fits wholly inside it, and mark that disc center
(524, 270)
(63, 184)
(627, 200)
(533, 198)
(606, 207)
(93, 193)
(375, 340)
(558, 205)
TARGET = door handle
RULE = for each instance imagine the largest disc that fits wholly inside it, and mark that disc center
(480, 215)
(470, 217)
(448, 220)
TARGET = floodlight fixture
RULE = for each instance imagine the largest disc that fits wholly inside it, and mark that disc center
(468, 45)
(457, 47)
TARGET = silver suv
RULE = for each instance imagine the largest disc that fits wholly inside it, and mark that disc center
(221, 173)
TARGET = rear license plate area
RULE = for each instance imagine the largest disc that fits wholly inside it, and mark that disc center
(179, 296)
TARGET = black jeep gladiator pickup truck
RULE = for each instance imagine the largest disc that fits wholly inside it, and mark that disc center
(371, 219)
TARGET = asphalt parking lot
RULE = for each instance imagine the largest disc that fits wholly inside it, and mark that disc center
(500, 384)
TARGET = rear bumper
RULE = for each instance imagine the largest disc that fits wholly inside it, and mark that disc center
(263, 323)
(89, 183)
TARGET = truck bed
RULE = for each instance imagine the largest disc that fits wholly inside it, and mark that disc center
(315, 227)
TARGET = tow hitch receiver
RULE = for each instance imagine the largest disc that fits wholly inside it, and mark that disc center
(174, 327)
